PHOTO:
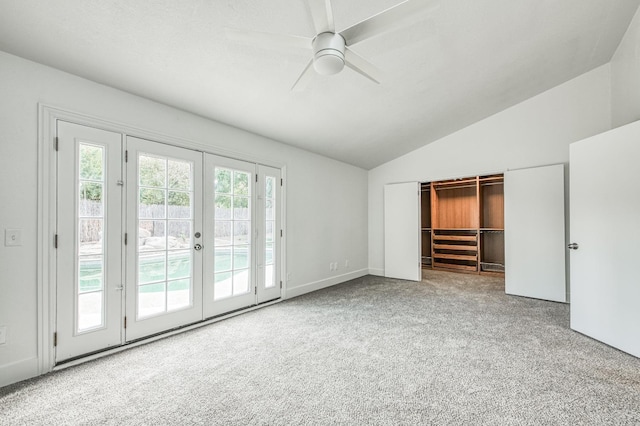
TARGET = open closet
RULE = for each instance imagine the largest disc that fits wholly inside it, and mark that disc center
(462, 224)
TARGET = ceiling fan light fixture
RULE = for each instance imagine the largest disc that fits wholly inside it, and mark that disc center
(328, 53)
(328, 63)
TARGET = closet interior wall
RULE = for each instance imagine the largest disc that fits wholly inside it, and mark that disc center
(463, 224)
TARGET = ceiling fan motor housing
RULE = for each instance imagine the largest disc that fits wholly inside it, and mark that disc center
(328, 53)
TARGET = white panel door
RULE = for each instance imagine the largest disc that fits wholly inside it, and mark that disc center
(605, 225)
(164, 227)
(535, 233)
(402, 231)
(89, 256)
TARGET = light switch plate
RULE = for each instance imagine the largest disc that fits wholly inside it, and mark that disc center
(12, 237)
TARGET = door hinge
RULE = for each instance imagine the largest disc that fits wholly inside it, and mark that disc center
(281, 182)
(256, 178)
(255, 290)
(55, 143)
(280, 284)
(281, 233)
(55, 241)
(125, 238)
(126, 156)
(125, 322)
(55, 339)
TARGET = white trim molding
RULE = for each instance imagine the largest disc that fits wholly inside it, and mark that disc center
(328, 282)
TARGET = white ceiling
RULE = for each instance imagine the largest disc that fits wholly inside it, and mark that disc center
(456, 63)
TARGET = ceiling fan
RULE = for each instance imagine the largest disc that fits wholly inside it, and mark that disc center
(331, 49)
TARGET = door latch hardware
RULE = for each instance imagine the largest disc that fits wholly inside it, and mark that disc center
(573, 246)
(197, 247)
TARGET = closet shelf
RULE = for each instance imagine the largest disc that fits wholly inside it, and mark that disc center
(440, 237)
(452, 266)
(467, 224)
(457, 247)
(472, 257)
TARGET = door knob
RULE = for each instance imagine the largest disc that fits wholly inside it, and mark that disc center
(197, 247)
(573, 246)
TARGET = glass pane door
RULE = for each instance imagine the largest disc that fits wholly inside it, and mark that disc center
(269, 190)
(89, 256)
(164, 275)
(229, 266)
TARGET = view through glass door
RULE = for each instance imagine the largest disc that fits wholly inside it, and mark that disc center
(154, 237)
(268, 242)
(230, 227)
(164, 258)
(89, 240)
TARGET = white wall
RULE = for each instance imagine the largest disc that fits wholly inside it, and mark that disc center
(326, 200)
(625, 77)
(535, 132)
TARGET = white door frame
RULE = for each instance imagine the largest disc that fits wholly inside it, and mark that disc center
(48, 115)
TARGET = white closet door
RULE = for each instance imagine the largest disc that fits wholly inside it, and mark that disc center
(605, 223)
(402, 231)
(535, 233)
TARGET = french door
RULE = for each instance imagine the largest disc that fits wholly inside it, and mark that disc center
(154, 237)
(269, 283)
(164, 236)
(89, 239)
(243, 229)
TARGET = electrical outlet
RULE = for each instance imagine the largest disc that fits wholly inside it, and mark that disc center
(3, 335)
(346, 263)
(288, 276)
(331, 266)
(12, 237)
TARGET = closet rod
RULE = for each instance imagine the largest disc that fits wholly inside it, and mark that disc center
(454, 187)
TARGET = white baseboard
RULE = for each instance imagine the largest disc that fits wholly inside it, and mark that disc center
(18, 371)
(318, 285)
(376, 271)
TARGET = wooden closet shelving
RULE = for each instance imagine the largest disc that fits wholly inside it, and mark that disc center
(463, 224)
(492, 223)
(426, 259)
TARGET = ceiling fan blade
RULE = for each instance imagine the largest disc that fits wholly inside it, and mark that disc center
(268, 40)
(383, 21)
(304, 78)
(361, 65)
(322, 16)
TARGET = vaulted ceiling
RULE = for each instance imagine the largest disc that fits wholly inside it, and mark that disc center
(451, 64)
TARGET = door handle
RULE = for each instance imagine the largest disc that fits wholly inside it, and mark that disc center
(572, 246)
(119, 288)
(197, 247)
